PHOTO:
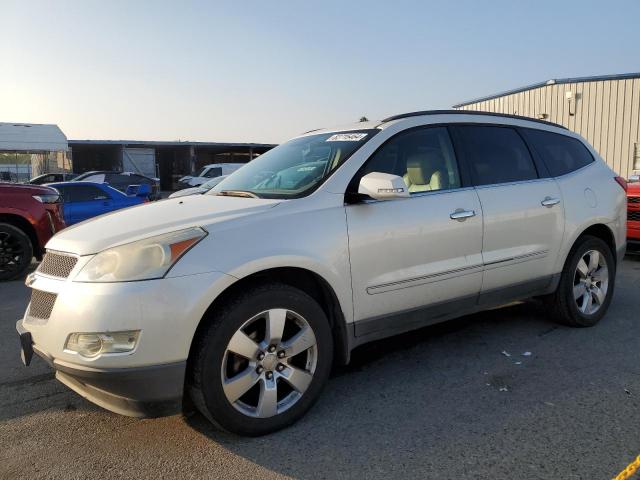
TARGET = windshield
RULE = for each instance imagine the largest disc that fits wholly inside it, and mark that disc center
(212, 183)
(296, 167)
(200, 172)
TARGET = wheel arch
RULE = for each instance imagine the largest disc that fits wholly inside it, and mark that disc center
(303, 279)
(23, 224)
(604, 233)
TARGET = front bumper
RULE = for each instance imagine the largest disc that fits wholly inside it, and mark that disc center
(150, 391)
(633, 245)
(147, 381)
(633, 234)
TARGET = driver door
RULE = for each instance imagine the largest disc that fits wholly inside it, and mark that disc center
(86, 201)
(417, 259)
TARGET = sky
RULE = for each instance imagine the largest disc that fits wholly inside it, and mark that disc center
(264, 71)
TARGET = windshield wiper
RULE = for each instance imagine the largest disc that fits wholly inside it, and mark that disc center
(237, 193)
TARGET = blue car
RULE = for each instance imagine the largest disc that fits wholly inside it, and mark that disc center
(83, 200)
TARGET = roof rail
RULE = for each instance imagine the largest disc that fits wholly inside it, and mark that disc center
(469, 112)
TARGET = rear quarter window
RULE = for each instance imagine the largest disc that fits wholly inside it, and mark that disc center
(561, 154)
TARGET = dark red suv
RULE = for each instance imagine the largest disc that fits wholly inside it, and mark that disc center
(29, 216)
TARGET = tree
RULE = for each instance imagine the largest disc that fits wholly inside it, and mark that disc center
(364, 119)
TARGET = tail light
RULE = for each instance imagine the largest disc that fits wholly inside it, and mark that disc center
(622, 182)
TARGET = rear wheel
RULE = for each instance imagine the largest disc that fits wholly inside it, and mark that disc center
(262, 361)
(586, 285)
(15, 252)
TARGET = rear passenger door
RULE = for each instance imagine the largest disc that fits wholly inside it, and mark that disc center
(523, 213)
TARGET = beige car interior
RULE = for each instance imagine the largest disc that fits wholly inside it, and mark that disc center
(426, 171)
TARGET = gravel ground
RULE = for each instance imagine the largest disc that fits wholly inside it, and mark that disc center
(443, 402)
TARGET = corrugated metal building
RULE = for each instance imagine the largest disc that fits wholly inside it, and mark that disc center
(604, 109)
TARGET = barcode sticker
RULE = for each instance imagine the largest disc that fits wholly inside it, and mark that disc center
(346, 137)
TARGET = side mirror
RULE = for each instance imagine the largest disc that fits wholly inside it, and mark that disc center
(383, 186)
(634, 179)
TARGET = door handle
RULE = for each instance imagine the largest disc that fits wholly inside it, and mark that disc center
(461, 215)
(550, 202)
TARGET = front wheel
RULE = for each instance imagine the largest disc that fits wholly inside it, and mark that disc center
(586, 284)
(15, 252)
(262, 360)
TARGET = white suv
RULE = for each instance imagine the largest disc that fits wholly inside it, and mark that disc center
(240, 300)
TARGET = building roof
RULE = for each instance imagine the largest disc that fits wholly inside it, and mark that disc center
(31, 137)
(553, 81)
(161, 143)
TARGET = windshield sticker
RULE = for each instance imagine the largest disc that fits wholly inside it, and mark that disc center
(346, 137)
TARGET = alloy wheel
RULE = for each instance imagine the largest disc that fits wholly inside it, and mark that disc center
(269, 363)
(591, 282)
(12, 253)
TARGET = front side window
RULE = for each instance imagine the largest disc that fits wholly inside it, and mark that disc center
(213, 172)
(495, 154)
(423, 157)
(295, 168)
(561, 154)
(84, 193)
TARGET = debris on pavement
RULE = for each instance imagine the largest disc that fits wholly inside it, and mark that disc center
(505, 353)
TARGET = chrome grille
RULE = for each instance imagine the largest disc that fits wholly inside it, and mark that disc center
(41, 304)
(57, 264)
(634, 216)
(633, 199)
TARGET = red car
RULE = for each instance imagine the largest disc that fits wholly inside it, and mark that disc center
(633, 216)
(29, 216)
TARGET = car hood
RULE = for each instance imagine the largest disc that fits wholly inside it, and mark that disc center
(27, 189)
(149, 219)
(188, 191)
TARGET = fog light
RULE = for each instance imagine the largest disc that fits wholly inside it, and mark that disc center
(93, 344)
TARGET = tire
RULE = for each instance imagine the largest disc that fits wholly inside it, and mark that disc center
(16, 252)
(566, 305)
(214, 362)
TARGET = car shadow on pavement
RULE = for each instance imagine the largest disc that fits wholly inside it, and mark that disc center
(385, 393)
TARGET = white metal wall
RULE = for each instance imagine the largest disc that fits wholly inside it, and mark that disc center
(140, 160)
(606, 113)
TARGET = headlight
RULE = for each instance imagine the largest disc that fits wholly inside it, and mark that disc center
(47, 198)
(142, 260)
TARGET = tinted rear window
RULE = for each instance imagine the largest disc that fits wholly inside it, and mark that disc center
(496, 154)
(561, 154)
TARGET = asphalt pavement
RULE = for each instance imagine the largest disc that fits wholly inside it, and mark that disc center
(500, 395)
